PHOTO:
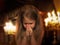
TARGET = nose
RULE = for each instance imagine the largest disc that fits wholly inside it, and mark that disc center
(27, 25)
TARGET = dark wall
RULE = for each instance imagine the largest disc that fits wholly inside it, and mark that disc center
(43, 5)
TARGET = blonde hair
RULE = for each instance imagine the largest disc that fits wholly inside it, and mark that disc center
(33, 13)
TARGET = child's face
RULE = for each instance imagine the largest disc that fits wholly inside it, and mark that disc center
(28, 23)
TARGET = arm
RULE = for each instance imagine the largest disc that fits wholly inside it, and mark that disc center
(22, 40)
(39, 40)
(40, 37)
(33, 41)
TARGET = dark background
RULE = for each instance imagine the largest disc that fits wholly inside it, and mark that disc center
(43, 5)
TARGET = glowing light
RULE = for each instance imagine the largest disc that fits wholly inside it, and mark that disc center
(52, 18)
(9, 28)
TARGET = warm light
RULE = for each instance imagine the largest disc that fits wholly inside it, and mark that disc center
(48, 19)
(52, 19)
(58, 16)
(49, 15)
(9, 28)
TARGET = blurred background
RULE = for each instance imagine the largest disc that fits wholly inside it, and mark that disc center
(9, 9)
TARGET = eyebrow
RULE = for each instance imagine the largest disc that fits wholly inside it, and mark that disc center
(27, 23)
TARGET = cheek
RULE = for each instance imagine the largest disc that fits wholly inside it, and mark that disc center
(24, 26)
(33, 25)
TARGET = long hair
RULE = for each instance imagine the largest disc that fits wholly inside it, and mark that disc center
(33, 13)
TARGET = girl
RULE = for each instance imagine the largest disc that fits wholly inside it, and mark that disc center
(30, 28)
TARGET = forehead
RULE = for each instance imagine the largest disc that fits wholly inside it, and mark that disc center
(28, 20)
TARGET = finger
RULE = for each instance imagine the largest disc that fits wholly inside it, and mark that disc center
(28, 27)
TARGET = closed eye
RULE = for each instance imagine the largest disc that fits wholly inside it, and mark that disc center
(28, 23)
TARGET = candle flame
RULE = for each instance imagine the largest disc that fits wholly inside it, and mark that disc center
(52, 18)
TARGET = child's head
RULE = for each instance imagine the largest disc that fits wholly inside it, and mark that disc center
(29, 17)
(27, 22)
